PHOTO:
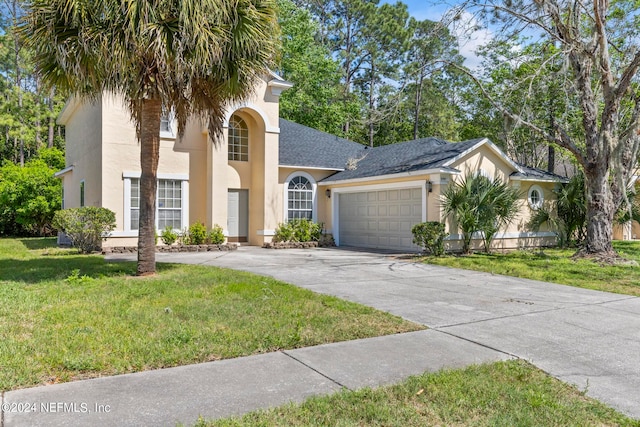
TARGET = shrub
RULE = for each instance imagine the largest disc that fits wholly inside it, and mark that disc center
(29, 198)
(197, 234)
(169, 236)
(86, 226)
(284, 233)
(216, 235)
(298, 230)
(478, 204)
(430, 236)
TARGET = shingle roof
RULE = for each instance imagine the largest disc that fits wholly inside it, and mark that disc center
(535, 173)
(303, 146)
(420, 154)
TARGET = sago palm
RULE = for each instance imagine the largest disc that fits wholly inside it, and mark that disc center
(193, 57)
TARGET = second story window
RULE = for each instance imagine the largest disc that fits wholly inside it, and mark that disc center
(166, 124)
(238, 139)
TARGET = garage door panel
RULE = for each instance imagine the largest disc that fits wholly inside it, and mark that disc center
(380, 219)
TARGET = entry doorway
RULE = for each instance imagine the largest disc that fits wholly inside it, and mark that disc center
(238, 215)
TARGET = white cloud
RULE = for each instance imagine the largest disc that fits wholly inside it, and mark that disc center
(471, 35)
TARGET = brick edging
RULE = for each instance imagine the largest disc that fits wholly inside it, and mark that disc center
(172, 248)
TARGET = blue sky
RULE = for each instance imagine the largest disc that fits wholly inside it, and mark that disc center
(434, 10)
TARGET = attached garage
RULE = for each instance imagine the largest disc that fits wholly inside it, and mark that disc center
(380, 219)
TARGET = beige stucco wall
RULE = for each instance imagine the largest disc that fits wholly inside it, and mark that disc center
(83, 133)
(259, 175)
(121, 154)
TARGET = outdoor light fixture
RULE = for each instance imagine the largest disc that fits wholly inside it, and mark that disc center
(327, 192)
(429, 186)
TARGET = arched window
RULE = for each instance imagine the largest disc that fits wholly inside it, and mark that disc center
(238, 139)
(300, 198)
(535, 197)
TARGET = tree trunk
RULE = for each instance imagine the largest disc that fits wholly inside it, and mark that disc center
(371, 103)
(600, 211)
(151, 111)
(52, 120)
(416, 116)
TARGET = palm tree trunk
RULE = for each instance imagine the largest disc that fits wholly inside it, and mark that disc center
(151, 110)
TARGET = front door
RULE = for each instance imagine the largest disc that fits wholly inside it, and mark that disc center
(238, 215)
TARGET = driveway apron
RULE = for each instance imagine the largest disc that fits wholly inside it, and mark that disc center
(587, 338)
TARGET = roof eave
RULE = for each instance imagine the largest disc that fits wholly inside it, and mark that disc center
(67, 111)
(62, 172)
(446, 171)
(536, 179)
(312, 168)
(492, 147)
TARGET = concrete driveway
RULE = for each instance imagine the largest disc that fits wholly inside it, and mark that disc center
(587, 338)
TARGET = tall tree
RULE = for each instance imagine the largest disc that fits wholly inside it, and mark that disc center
(431, 45)
(189, 56)
(385, 40)
(316, 97)
(598, 43)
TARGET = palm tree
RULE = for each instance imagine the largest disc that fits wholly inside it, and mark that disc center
(193, 57)
(478, 204)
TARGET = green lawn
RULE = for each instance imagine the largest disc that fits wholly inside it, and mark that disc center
(64, 316)
(556, 265)
(506, 394)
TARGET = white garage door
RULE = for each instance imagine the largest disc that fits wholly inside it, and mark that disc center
(380, 219)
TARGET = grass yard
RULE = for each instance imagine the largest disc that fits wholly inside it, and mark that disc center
(556, 266)
(509, 394)
(65, 316)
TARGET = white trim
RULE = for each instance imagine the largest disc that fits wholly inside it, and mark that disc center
(171, 133)
(184, 209)
(314, 194)
(375, 187)
(83, 194)
(63, 171)
(173, 176)
(505, 235)
(127, 205)
(184, 203)
(493, 147)
(279, 86)
(246, 105)
(126, 233)
(535, 206)
(68, 109)
(335, 197)
(391, 176)
(311, 168)
(530, 179)
(266, 232)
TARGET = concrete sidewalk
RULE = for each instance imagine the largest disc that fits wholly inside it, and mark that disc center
(236, 386)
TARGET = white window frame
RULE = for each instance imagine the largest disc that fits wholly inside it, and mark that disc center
(535, 205)
(83, 194)
(314, 194)
(127, 176)
(169, 118)
(239, 154)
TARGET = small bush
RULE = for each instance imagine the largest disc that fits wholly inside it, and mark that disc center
(216, 235)
(169, 236)
(430, 236)
(197, 234)
(298, 230)
(183, 237)
(86, 227)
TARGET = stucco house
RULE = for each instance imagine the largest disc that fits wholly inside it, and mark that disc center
(265, 170)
